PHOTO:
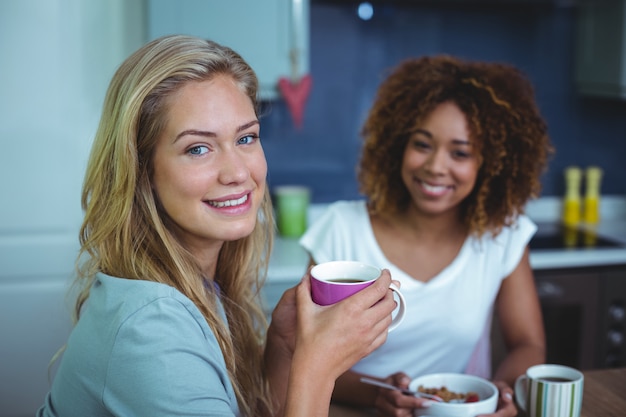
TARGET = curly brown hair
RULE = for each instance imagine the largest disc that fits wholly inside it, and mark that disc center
(509, 133)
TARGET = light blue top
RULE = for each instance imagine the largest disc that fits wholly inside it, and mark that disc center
(140, 348)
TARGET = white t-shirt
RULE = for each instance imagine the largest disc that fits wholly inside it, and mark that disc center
(448, 318)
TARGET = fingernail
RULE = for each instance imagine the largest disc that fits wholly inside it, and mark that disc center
(508, 395)
(426, 403)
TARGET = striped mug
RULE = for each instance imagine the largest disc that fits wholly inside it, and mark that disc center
(550, 391)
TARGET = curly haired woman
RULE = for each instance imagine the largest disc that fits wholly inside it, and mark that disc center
(453, 150)
(177, 232)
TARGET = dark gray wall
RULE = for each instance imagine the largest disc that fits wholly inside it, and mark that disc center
(349, 58)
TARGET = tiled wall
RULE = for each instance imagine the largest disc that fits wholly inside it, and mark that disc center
(349, 58)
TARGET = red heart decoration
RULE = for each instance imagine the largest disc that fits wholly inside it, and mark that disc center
(295, 95)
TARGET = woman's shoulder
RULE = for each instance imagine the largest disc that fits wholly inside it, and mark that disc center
(338, 215)
(130, 296)
(336, 229)
(507, 246)
(125, 306)
(521, 228)
(346, 209)
(131, 329)
(139, 289)
(347, 204)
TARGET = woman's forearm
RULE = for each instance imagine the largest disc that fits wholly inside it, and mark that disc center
(310, 388)
(517, 361)
(350, 390)
(278, 360)
(300, 384)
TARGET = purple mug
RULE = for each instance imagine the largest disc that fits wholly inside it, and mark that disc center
(333, 281)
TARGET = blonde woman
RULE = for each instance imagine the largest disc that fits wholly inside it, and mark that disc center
(175, 241)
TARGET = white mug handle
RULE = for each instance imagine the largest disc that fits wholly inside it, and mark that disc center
(521, 391)
(401, 307)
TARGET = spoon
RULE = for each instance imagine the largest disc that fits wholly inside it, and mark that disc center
(403, 390)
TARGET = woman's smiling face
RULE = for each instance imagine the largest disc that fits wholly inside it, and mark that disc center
(440, 163)
(209, 166)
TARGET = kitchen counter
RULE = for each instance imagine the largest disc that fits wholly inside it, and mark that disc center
(546, 213)
(289, 261)
(584, 257)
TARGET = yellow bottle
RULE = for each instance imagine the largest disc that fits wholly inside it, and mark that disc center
(592, 195)
(572, 200)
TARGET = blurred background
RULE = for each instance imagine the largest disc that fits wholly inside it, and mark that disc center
(349, 57)
(57, 57)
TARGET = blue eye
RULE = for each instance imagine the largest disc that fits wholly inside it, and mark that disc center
(248, 139)
(198, 150)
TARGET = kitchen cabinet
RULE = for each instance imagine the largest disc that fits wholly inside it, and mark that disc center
(271, 35)
(612, 316)
(584, 315)
(569, 304)
(601, 48)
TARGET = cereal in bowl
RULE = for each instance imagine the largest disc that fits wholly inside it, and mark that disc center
(448, 396)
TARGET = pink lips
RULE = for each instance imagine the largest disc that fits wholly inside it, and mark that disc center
(232, 204)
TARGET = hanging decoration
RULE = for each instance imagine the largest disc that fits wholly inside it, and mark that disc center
(295, 89)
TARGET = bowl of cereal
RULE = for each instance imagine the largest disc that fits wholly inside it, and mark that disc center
(463, 395)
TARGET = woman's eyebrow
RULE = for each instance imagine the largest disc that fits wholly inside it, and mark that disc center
(208, 133)
(194, 132)
(429, 135)
(422, 132)
(462, 142)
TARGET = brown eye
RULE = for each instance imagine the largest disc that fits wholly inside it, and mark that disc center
(420, 144)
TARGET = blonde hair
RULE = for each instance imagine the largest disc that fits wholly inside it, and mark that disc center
(126, 234)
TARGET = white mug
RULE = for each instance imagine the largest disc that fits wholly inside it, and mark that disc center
(550, 391)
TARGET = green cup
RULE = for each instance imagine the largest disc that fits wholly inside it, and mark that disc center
(292, 204)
